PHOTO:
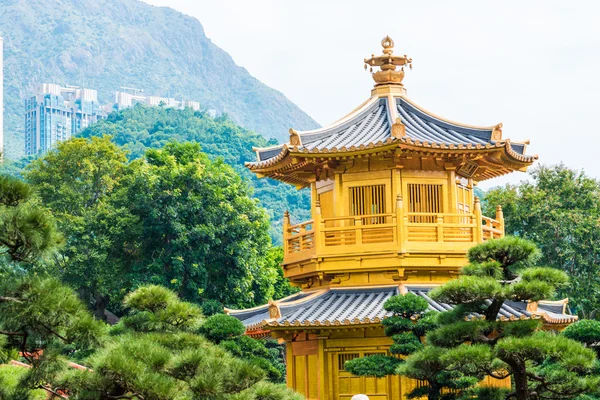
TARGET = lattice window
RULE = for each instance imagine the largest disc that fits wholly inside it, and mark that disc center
(342, 358)
(377, 353)
(368, 200)
(424, 198)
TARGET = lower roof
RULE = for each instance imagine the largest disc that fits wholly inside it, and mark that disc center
(357, 306)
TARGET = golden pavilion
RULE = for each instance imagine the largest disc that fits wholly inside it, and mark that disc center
(393, 211)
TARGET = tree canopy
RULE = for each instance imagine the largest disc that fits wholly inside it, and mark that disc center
(27, 230)
(559, 210)
(155, 352)
(173, 218)
(141, 128)
(541, 364)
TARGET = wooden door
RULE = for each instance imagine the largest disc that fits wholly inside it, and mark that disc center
(346, 385)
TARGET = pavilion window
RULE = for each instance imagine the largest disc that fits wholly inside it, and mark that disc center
(342, 358)
(368, 200)
(424, 199)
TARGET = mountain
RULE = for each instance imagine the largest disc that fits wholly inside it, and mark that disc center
(106, 44)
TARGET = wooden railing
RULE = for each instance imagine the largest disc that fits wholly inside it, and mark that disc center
(361, 229)
(393, 231)
(430, 227)
(493, 228)
(299, 238)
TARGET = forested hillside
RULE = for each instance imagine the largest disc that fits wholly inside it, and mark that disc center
(140, 128)
(106, 44)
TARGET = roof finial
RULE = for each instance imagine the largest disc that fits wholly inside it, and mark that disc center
(387, 62)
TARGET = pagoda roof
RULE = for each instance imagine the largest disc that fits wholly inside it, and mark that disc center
(389, 122)
(358, 306)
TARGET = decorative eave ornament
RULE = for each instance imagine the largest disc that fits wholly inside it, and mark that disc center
(398, 129)
(388, 63)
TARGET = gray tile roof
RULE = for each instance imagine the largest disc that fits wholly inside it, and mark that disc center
(369, 126)
(372, 124)
(354, 306)
(427, 128)
(339, 305)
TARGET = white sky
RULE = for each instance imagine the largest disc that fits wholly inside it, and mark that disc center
(532, 65)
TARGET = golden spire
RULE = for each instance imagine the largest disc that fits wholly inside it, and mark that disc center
(387, 63)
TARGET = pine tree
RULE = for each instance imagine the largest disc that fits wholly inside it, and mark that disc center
(157, 353)
(27, 230)
(541, 364)
(407, 326)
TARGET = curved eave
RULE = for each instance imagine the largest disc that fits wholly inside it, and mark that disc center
(406, 141)
(558, 321)
(292, 158)
(275, 325)
(326, 323)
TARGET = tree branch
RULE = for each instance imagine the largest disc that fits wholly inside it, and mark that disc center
(8, 333)
(55, 393)
(53, 332)
(4, 299)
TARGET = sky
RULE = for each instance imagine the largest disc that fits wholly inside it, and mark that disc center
(532, 65)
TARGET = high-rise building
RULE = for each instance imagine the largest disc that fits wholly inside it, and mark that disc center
(56, 113)
(124, 100)
(1, 98)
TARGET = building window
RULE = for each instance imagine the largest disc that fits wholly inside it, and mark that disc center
(368, 200)
(342, 358)
(423, 201)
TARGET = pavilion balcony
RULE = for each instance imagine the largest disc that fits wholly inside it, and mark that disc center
(399, 231)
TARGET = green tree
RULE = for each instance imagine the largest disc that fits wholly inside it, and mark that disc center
(156, 354)
(44, 322)
(228, 332)
(586, 331)
(10, 385)
(407, 326)
(141, 128)
(173, 218)
(27, 230)
(199, 230)
(541, 364)
(78, 181)
(559, 210)
(282, 286)
(39, 318)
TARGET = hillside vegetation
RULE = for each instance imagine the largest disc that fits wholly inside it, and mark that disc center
(106, 44)
(141, 128)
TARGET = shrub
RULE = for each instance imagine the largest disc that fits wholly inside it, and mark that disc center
(221, 327)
